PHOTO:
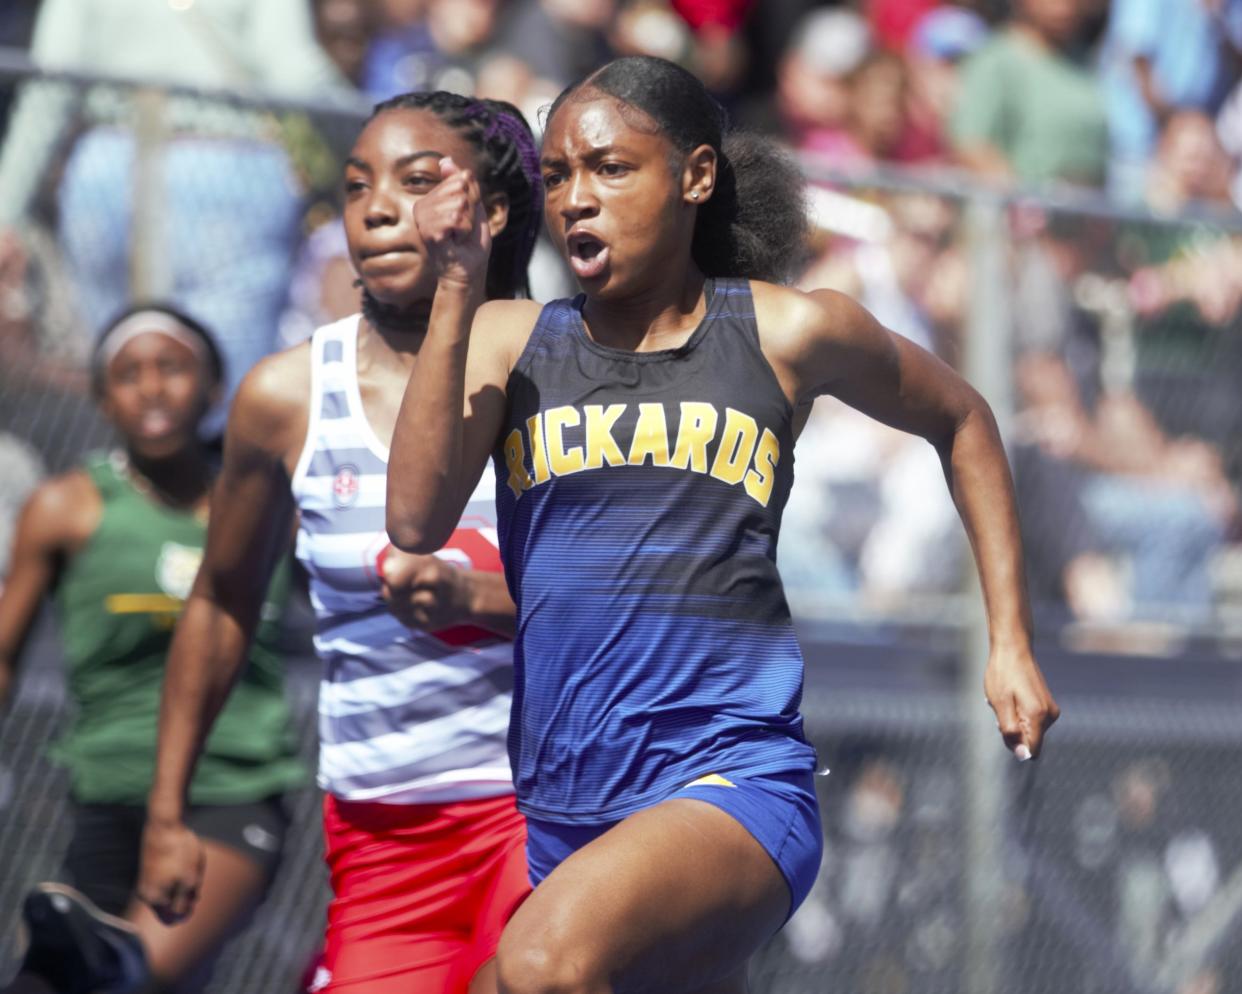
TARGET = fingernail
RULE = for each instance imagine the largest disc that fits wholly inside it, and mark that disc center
(1022, 752)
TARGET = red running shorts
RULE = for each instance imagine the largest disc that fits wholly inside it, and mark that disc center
(421, 892)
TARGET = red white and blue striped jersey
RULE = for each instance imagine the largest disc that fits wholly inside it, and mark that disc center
(404, 716)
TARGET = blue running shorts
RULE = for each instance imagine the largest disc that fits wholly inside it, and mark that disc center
(779, 809)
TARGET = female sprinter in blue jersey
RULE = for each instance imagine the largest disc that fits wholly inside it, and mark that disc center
(642, 435)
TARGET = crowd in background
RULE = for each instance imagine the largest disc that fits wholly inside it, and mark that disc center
(1138, 96)
(1122, 326)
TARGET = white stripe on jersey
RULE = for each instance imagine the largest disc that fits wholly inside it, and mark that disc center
(352, 696)
(339, 486)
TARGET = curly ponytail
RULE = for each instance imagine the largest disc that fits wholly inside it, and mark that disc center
(754, 225)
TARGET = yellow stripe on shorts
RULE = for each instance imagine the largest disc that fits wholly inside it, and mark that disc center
(711, 780)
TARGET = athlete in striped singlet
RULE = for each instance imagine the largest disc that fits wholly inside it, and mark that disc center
(424, 844)
(642, 435)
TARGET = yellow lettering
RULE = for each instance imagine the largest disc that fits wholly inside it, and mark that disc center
(538, 452)
(650, 436)
(759, 480)
(694, 432)
(737, 444)
(515, 459)
(601, 447)
(563, 461)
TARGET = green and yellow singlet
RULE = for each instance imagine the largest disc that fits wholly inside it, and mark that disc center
(118, 600)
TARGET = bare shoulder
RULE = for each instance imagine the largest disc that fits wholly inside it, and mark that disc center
(786, 316)
(270, 412)
(63, 512)
(811, 338)
(506, 326)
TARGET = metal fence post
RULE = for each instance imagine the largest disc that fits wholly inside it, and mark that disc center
(149, 278)
(988, 358)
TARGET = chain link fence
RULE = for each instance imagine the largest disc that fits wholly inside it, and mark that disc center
(1109, 346)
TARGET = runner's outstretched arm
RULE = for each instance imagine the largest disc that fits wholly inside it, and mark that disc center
(252, 511)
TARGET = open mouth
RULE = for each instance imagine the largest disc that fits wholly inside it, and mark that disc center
(588, 256)
(155, 423)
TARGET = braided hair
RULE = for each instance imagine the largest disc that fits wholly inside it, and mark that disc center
(508, 163)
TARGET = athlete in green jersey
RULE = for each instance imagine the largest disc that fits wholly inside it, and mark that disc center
(119, 542)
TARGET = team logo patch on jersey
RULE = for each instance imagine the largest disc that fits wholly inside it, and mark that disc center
(176, 567)
(345, 485)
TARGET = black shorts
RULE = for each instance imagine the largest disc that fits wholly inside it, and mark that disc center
(106, 848)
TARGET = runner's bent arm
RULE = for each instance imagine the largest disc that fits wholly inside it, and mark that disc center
(454, 403)
(251, 515)
(834, 346)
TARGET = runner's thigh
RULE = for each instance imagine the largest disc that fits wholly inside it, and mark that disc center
(673, 899)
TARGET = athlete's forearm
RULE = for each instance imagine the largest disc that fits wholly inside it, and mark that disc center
(491, 607)
(426, 485)
(982, 488)
(208, 653)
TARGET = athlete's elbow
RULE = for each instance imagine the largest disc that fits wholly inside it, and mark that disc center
(412, 536)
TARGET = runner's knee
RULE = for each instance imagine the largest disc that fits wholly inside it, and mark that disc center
(543, 961)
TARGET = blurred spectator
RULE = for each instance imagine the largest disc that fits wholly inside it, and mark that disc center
(1160, 56)
(893, 21)
(1029, 106)
(323, 288)
(869, 515)
(1123, 516)
(441, 48)
(727, 15)
(869, 520)
(883, 914)
(651, 27)
(1203, 275)
(344, 29)
(559, 40)
(912, 280)
(1190, 167)
(721, 54)
(875, 122)
(1159, 507)
(939, 42)
(1229, 133)
(812, 91)
(227, 200)
(396, 13)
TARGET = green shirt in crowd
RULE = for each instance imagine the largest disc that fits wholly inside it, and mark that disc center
(118, 601)
(1041, 108)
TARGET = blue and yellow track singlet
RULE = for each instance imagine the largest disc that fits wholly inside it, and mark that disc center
(639, 498)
